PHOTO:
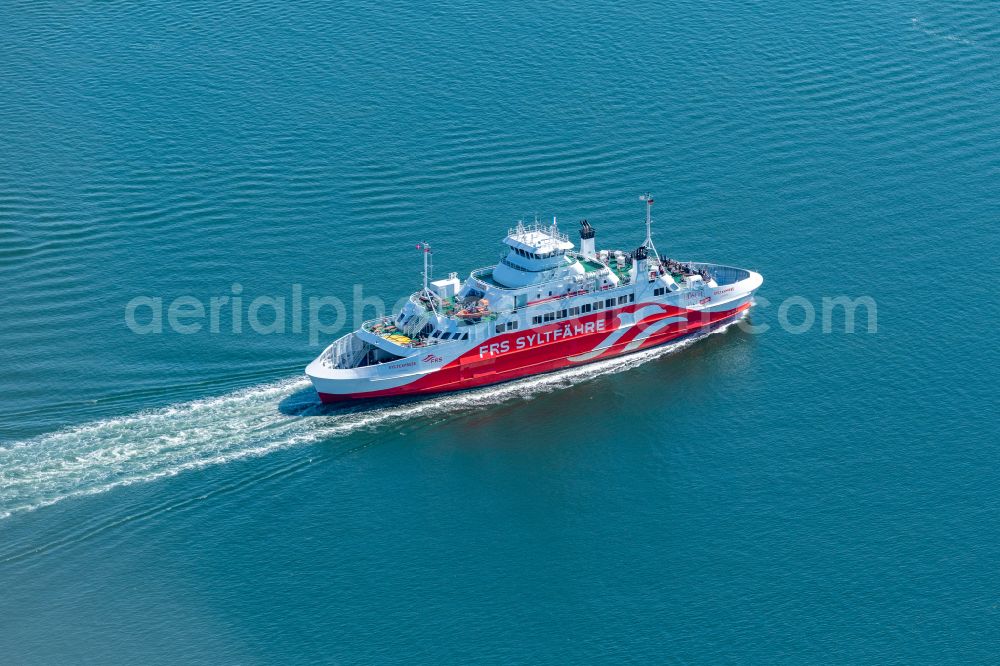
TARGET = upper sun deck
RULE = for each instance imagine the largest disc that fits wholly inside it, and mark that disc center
(539, 240)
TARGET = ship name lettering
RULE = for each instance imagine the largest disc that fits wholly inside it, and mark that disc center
(542, 337)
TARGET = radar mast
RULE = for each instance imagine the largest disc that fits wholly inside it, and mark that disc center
(648, 243)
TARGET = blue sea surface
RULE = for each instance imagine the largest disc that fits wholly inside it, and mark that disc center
(796, 495)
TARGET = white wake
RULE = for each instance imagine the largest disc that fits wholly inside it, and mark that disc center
(97, 457)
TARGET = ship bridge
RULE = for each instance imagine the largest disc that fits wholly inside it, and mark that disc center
(537, 253)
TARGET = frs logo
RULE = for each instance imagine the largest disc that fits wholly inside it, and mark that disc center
(705, 300)
(431, 358)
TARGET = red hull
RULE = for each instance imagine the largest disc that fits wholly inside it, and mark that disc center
(474, 369)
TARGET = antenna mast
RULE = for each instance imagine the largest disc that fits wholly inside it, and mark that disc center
(648, 244)
(428, 267)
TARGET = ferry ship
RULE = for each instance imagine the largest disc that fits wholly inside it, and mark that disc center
(544, 307)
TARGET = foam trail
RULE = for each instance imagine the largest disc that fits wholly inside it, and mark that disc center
(96, 457)
(918, 24)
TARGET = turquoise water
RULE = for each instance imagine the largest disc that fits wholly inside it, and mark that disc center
(775, 498)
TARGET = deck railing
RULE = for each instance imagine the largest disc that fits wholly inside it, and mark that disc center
(416, 339)
(538, 227)
(589, 284)
(483, 285)
(722, 274)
